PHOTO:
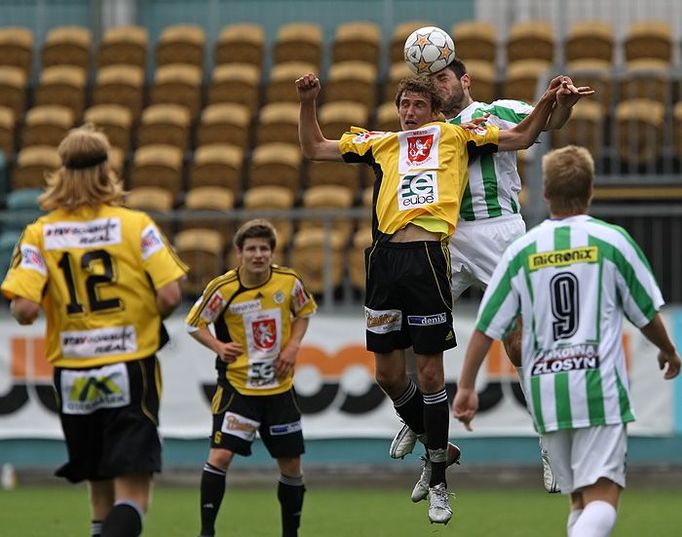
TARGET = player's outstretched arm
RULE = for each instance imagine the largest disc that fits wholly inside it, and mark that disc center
(566, 98)
(656, 333)
(465, 404)
(313, 143)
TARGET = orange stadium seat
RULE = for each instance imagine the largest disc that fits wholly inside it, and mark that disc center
(202, 250)
(646, 79)
(240, 43)
(308, 256)
(235, 83)
(157, 165)
(46, 125)
(120, 84)
(178, 83)
(475, 40)
(400, 33)
(649, 39)
(335, 173)
(224, 123)
(357, 41)
(533, 40)
(483, 83)
(299, 42)
(183, 44)
(273, 198)
(586, 127)
(16, 48)
(328, 197)
(639, 124)
(123, 45)
(217, 165)
(63, 85)
(352, 81)
(276, 164)
(522, 79)
(13, 89)
(281, 84)
(594, 73)
(32, 164)
(164, 124)
(113, 120)
(67, 45)
(590, 40)
(7, 123)
(278, 122)
(362, 239)
(387, 117)
(219, 201)
(336, 118)
(155, 201)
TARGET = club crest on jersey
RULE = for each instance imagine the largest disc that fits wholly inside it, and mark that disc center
(278, 297)
(264, 334)
(418, 149)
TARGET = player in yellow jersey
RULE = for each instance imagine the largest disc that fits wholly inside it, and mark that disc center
(421, 173)
(104, 277)
(260, 313)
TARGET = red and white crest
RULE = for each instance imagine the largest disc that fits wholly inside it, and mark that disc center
(264, 333)
(419, 148)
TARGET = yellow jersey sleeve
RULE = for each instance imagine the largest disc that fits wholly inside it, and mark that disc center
(158, 257)
(356, 145)
(27, 275)
(208, 307)
(302, 301)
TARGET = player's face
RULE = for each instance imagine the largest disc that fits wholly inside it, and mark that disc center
(255, 256)
(450, 88)
(414, 110)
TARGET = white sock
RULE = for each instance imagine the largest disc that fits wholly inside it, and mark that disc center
(596, 520)
(573, 517)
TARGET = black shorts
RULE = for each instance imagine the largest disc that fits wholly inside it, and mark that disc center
(408, 299)
(110, 417)
(237, 418)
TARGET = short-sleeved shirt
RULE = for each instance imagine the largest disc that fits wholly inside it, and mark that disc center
(259, 318)
(572, 279)
(419, 173)
(95, 271)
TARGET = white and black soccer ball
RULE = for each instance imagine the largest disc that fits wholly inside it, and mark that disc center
(428, 50)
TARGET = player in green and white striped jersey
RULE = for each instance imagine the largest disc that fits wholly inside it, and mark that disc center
(572, 278)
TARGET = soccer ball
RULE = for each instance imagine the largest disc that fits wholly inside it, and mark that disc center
(428, 50)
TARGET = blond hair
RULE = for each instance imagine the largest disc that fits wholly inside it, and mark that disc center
(258, 228)
(85, 178)
(568, 174)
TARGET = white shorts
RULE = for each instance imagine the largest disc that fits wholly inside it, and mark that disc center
(477, 246)
(579, 457)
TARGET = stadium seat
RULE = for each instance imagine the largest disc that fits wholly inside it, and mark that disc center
(586, 128)
(123, 45)
(117, 159)
(357, 41)
(336, 118)
(46, 125)
(13, 89)
(649, 40)
(646, 79)
(240, 43)
(475, 40)
(178, 83)
(532, 40)
(7, 123)
(362, 239)
(273, 198)
(16, 48)
(23, 208)
(157, 165)
(299, 42)
(216, 200)
(387, 117)
(8, 240)
(280, 86)
(156, 201)
(677, 129)
(639, 136)
(400, 33)
(181, 44)
(335, 173)
(67, 45)
(224, 123)
(396, 73)
(328, 197)
(522, 79)
(590, 40)
(278, 122)
(217, 165)
(202, 250)
(63, 85)
(120, 84)
(235, 83)
(32, 164)
(113, 120)
(308, 256)
(354, 81)
(167, 124)
(594, 73)
(276, 164)
(483, 84)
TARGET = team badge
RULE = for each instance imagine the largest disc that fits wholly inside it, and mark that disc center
(278, 297)
(419, 148)
(264, 334)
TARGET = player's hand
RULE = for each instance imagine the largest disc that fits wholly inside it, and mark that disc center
(673, 362)
(567, 94)
(465, 405)
(308, 87)
(286, 361)
(228, 352)
(475, 124)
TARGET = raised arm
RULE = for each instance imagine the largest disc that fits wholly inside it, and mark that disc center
(313, 143)
(566, 98)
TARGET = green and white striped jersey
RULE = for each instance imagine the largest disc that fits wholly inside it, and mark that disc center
(494, 182)
(571, 280)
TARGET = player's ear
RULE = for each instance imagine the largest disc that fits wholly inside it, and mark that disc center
(465, 81)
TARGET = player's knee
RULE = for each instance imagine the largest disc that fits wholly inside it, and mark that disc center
(220, 458)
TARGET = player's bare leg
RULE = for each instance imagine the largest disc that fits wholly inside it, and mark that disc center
(101, 501)
(131, 494)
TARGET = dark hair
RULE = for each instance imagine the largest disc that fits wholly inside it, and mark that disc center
(457, 66)
(421, 85)
(256, 229)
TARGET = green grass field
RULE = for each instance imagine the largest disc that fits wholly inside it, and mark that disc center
(62, 511)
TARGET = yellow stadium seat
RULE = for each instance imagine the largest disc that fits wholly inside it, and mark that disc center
(362, 239)
(586, 127)
(157, 165)
(532, 40)
(202, 250)
(278, 122)
(483, 83)
(281, 84)
(276, 164)
(357, 41)
(273, 198)
(240, 43)
(646, 79)
(352, 81)
(122, 85)
(183, 44)
(164, 124)
(113, 120)
(396, 73)
(63, 85)
(67, 45)
(7, 123)
(13, 89)
(216, 200)
(224, 123)
(639, 125)
(217, 165)
(123, 45)
(308, 256)
(116, 158)
(32, 164)
(178, 83)
(475, 40)
(299, 42)
(337, 117)
(16, 48)
(590, 40)
(328, 197)
(522, 79)
(156, 201)
(235, 83)
(387, 117)
(400, 33)
(594, 73)
(46, 125)
(649, 39)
